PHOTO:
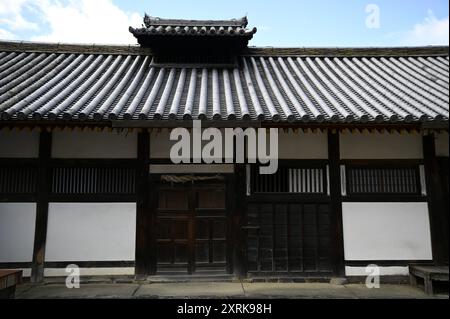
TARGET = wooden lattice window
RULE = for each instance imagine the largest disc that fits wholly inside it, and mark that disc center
(93, 180)
(18, 180)
(308, 180)
(383, 180)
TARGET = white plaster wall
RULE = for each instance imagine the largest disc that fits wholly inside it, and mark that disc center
(441, 143)
(160, 143)
(17, 224)
(91, 231)
(384, 271)
(386, 231)
(381, 146)
(89, 144)
(290, 145)
(119, 271)
(302, 145)
(16, 144)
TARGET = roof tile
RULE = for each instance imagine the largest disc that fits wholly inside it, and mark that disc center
(313, 89)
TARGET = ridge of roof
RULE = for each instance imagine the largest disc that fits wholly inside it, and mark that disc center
(132, 49)
(157, 21)
(155, 33)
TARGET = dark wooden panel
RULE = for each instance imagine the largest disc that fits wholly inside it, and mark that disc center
(173, 200)
(172, 226)
(211, 198)
(210, 242)
(289, 237)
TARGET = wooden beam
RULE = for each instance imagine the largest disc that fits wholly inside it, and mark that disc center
(44, 178)
(92, 264)
(238, 239)
(336, 201)
(438, 223)
(143, 213)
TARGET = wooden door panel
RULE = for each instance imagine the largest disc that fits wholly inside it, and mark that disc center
(202, 252)
(181, 253)
(211, 198)
(165, 253)
(172, 229)
(219, 251)
(173, 200)
(210, 247)
(180, 230)
(219, 229)
(202, 228)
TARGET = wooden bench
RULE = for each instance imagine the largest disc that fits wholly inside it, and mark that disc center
(9, 279)
(428, 274)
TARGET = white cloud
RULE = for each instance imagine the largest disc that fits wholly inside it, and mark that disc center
(87, 21)
(71, 21)
(11, 15)
(6, 35)
(431, 31)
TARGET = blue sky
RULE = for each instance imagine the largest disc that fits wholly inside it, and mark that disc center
(280, 23)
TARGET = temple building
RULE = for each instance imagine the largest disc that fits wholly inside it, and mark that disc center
(86, 176)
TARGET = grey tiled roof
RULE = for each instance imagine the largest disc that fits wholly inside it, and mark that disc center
(37, 85)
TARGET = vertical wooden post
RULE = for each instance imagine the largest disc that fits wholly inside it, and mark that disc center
(435, 200)
(44, 178)
(336, 200)
(143, 214)
(238, 240)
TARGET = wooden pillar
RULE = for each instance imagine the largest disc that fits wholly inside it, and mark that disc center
(336, 201)
(143, 214)
(435, 200)
(238, 239)
(44, 183)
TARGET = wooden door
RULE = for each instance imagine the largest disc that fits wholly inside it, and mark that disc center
(191, 229)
